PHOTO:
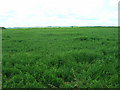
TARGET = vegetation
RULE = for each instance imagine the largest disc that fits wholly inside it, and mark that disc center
(0, 58)
(77, 57)
(2, 28)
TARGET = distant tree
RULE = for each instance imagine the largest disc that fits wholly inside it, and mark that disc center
(2, 28)
(49, 26)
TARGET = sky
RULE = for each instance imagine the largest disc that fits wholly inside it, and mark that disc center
(35, 13)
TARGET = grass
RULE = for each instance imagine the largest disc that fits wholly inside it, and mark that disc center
(79, 57)
(0, 58)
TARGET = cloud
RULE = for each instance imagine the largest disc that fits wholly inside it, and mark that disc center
(22, 13)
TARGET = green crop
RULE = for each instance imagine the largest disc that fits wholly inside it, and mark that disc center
(78, 57)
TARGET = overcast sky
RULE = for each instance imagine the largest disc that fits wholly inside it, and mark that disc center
(29, 13)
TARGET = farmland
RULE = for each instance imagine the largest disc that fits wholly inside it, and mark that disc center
(78, 57)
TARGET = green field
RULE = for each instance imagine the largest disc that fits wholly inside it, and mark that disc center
(78, 57)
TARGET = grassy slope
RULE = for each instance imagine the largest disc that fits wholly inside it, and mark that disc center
(60, 57)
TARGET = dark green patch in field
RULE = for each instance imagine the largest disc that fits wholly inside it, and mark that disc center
(81, 38)
(85, 38)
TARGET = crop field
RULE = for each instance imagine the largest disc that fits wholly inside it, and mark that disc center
(66, 57)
